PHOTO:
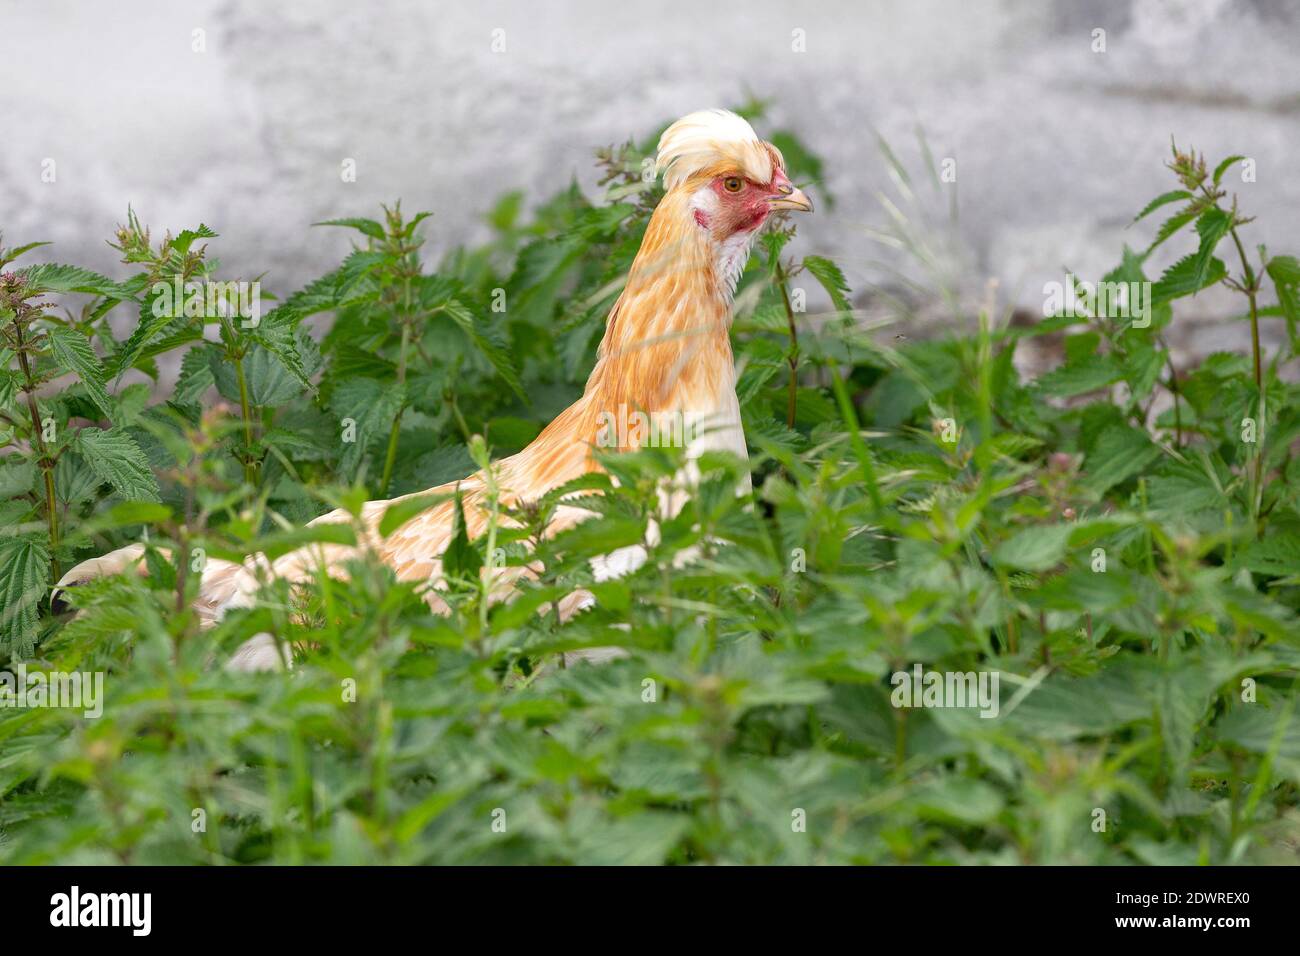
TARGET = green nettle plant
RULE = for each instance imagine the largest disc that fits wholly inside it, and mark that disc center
(1116, 541)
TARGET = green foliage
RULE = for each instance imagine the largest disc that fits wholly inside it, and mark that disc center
(1117, 540)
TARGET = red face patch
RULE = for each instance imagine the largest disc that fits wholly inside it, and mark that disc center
(742, 205)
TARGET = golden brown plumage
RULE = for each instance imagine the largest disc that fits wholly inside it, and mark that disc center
(665, 351)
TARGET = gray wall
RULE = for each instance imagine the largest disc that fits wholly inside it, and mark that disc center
(1056, 146)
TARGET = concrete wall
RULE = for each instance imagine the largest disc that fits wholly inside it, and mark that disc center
(1056, 146)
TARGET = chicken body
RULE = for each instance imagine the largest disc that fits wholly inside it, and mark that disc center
(666, 353)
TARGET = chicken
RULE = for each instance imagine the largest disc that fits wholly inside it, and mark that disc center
(666, 353)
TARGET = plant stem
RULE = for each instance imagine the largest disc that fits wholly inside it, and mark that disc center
(1257, 464)
(486, 580)
(456, 413)
(1251, 289)
(792, 396)
(900, 741)
(390, 455)
(235, 355)
(45, 462)
(1173, 390)
(1172, 386)
(245, 410)
(183, 542)
(856, 443)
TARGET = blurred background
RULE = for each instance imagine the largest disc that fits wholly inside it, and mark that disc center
(242, 115)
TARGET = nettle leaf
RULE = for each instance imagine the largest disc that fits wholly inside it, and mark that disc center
(1261, 728)
(1079, 378)
(151, 325)
(432, 468)
(1079, 348)
(961, 799)
(1142, 369)
(1162, 200)
(1038, 548)
(508, 433)
(1278, 554)
(350, 361)
(366, 226)
(1285, 269)
(1188, 276)
(766, 318)
(461, 560)
(752, 380)
(11, 254)
(1285, 273)
(1013, 445)
(505, 214)
(602, 222)
(72, 350)
(10, 383)
(74, 481)
(832, 280)
(644, 839)
(493, 349)
(370, 407)
(576, 346)
(1212, 226)
(174, 339)
(351, 283)
(117, 459)
(601, 535)
(60, 278)
(1063, 708)
(541, 268)
(278, 335)
(1253, 611)
(268, 379)
(24, 573)
(1182, 489)
(767, 431)
(774, 242)
(17, 476)
(1119, 453)
(185, 238)
(196, 374)
(1170, 227)
(1182, 697)
(1222, 168)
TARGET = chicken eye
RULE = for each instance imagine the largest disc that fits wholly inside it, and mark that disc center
(733, 184)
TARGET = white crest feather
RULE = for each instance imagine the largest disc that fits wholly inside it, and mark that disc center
(701, 139)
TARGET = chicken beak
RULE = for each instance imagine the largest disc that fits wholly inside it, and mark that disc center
(791, 198)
